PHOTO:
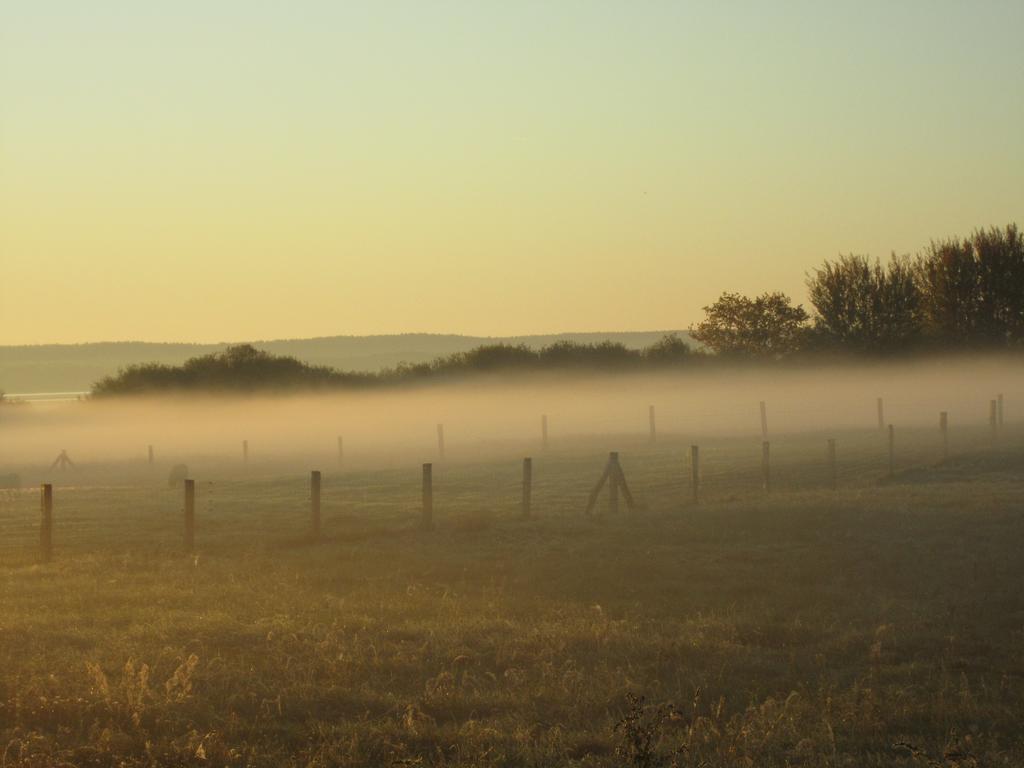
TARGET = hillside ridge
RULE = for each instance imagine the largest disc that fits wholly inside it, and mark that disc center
(75, 367)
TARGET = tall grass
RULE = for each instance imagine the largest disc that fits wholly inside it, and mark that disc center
(877, 625)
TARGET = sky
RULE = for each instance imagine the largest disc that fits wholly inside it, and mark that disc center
(224, 170)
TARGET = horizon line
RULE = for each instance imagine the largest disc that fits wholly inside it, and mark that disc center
(338, 336)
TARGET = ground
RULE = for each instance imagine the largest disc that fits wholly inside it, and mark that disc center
(877, 624)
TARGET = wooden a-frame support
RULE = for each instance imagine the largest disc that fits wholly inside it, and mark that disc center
(63, 461)
(616, 479)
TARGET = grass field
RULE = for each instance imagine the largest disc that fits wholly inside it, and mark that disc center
(880, 624)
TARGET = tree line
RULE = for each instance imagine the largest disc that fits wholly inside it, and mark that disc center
(959, 294)
(245, 368)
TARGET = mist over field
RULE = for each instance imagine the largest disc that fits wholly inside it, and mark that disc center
(511, 385)
(868, 610)
(489, 415)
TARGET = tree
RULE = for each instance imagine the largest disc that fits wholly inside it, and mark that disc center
(606, 354)
(237, 368)
(489, 357)
(947, 278)
(668, 349)
(999, 255)
(972, 290)
(768, 326)
(863, 306)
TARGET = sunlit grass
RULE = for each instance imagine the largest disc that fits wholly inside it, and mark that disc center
(804, 626)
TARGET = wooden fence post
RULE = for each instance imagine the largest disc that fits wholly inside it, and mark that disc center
(766, 472)
(341, 450)
(764, 421)
(527, 486)
(245, 452)
(892, 451)
(314, 498)
(881, 416)
(833, 478)
(427, 522)
(440, 441)
(190, 515)
(993, 421)
(151, 455)
(695, 473)
(650, 419)
(614, 476)
(544, 431)
(46, 523)
(999, 401)
(613, 483)
(592, 499)
(624, 486)
(944, 429)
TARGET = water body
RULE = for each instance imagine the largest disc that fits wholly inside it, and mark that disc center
(45, 397)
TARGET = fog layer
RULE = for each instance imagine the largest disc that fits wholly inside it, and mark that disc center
(487, 415)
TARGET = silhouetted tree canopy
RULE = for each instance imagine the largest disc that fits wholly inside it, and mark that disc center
(245, 368)
(239, 368)
(972, 290)
(948, 280)
(767, 326)
(670, 348)
(862, 306)
(966, 294)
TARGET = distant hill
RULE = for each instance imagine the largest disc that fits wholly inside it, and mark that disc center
(76, 367)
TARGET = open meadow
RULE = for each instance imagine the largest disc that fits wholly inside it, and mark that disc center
(881, 623)
(594, 384)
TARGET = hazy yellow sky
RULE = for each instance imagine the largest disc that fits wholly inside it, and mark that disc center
(226, 169)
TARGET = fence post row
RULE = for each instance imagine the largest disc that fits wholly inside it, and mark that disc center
(612, 474)
(881, 416)
(650, 420)
(46, 523)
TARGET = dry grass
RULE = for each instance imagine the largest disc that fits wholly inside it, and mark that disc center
(878, 625)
